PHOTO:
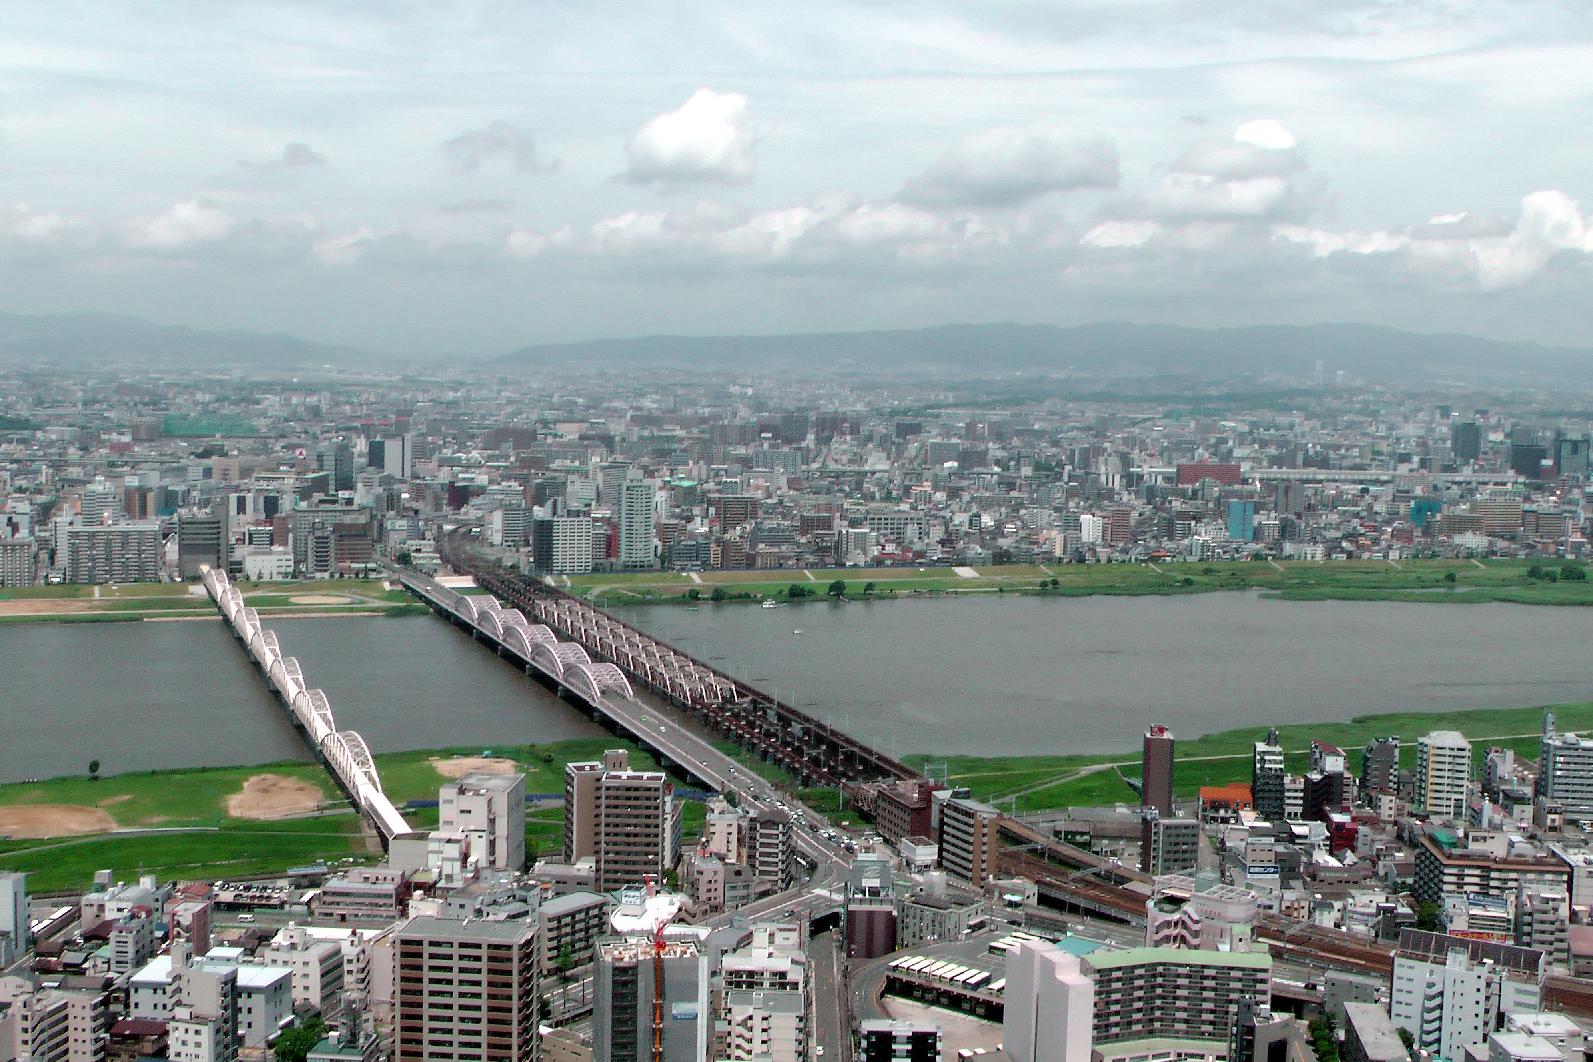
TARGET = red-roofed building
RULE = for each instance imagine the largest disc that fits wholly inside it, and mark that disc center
(1223, 803)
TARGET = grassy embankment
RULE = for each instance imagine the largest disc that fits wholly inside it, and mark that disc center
(1037, 783)
(140, 601)
(1424, 581)
(215, 844)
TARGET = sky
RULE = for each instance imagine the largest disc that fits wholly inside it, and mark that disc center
(455, 179)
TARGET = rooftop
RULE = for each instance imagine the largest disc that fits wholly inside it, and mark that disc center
(1110, 960)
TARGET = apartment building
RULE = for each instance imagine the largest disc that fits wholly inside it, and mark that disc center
(465, 990)
(766, 1001)
(626, 821)
(1448, 863)
(113, 553)
(1156, 993)
(623, 994)
(1443, 769)
(967, 840)
(1450, 992)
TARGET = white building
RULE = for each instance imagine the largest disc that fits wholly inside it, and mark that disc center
(13, 916)
(317, 965)
(1449, 993)
(1049, 1005)
(766, 1007)
(635, 517)
(489, 811)
(1443, 768)
(267, 564)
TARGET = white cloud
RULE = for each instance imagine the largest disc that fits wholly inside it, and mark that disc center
(1118, 234)
(294, 156)
(45, 227)
(1268, 134)
(1002, 167)
(344, 249)
(1198, 195)
(185, 224)
(708, 139)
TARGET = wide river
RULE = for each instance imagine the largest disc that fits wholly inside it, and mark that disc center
(981, 675)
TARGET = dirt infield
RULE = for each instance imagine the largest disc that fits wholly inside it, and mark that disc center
(32, 606)
(320, 599)
(31, 821)
(459, 766)
(273, 796)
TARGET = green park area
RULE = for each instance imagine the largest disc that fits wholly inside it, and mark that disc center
(223, 822)
(1422, 581)
(73, 603)
(1039, 783)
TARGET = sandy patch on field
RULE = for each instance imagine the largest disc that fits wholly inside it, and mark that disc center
(111, 801)
(459, 766)
(43, 607)
(273, 796)
(320, 599)
(52, 820)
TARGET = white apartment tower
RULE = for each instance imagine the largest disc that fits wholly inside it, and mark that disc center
(1050, 1005)
(1443, 767)
(635, 515)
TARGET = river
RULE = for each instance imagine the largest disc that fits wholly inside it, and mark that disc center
(138, 696)
(980, 674)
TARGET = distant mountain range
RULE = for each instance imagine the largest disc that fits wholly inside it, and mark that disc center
(1106, 349)
(100, 338)
(1111, 348)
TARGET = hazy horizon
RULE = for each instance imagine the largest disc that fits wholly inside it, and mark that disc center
(475, 178)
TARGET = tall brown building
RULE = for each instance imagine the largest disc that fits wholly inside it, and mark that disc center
(626, 821)
(1156, 770)
(466, 991)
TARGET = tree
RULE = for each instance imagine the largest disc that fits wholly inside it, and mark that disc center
(868, 588)
(1449, 577)
(718, 594)
(1427, 915)
(693, 594)
(295, 1044)
(796, 592)
(566, 963)
(837, 588)
(1406, 1038)
(403, 557)
(94, 770)
(1573, 573)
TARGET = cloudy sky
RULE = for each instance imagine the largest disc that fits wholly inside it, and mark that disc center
(464, 177)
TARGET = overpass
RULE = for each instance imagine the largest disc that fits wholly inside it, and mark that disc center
(808, 748)
(345, 753)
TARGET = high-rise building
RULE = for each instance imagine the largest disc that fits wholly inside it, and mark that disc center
(1266, 778)
(1465, 439)
(489, 811)
(113, 553)
(336, 457)
(1449, 992)
(766, 1000)
(1565, 770)
(769, 849)
(1380, 765)
(561, 545)
(1049, 1005)
(1156, 770)
(201, 542)
(1241, 520)
(1543, 923)
(872, 909)
(1443, 769)
(466, 990)
(52, 1023)
(967, 840)
(897, 1040)
(641, 990)
(14, 917)
(635, 516)
(626, 821)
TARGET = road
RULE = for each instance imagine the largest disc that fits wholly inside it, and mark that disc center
(832, 1012)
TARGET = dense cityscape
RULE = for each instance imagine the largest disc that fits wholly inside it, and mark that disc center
(843, 532)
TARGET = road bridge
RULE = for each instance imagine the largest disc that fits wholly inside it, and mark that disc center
(345, 753)
(810, 749)
(603, 690)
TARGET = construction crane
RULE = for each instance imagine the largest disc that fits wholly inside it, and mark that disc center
(658, 985)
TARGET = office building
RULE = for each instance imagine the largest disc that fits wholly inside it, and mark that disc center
(626, 821)
(1465, 440)
(1380, 766)
(892, 1040)
(1168, 845)
(201, 543)
(1449, 992)
(50, 1022)
(317, 965)
(1156, 770)
(203, 1026)
(1182, 914)
(1166, 993)
(1241, 520)
(1448, 863)
(1565, 770)
(634, 513)
(336, 458)
(1266, 778)
(113, 553)
(967, 840)
(488, 810)
(1049, 1005)
(568, 928)
(769, 849)
(465, 990)
(1443, 769)
(1543, 923)
(635, 979)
